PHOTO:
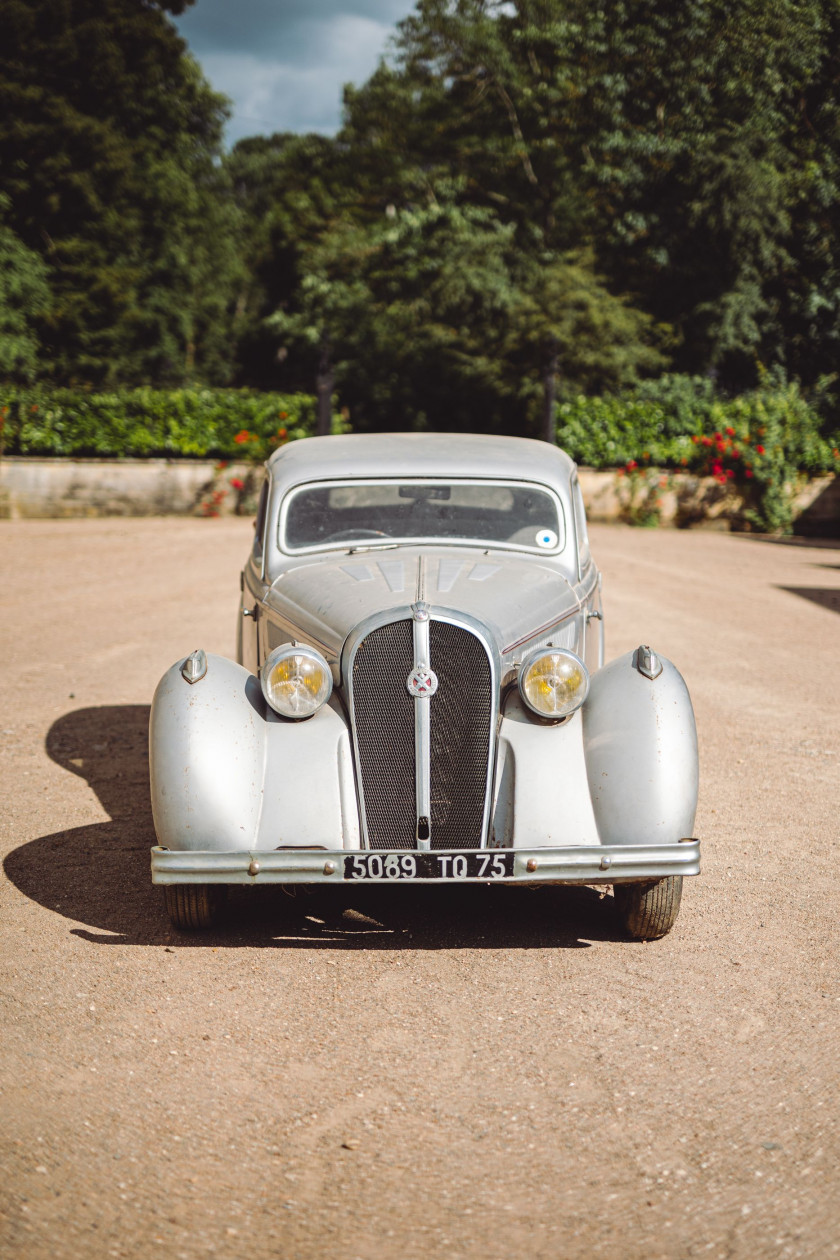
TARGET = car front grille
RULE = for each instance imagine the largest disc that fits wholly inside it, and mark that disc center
(461, 716)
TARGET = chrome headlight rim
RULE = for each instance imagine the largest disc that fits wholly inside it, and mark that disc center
(284, 652)
(528, 662)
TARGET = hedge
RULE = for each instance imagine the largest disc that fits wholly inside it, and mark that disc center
(149, 422)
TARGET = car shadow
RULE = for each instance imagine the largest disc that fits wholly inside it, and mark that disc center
(826, 597)
(97, 877)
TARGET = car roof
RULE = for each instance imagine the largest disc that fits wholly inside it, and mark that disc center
(421, 455)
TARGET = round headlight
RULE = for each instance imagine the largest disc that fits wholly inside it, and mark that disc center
(553, 682)
(296, 680)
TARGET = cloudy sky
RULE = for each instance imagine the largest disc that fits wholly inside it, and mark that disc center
(283, 63)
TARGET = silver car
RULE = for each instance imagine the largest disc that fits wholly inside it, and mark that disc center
(420, 694)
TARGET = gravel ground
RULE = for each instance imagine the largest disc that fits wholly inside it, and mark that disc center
(362, 1074)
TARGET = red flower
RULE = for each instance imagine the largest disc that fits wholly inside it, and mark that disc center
(282, 433)
(34, 407)
(718, 437)
(731, 432)
(749, 472)
(632, 464)
(707, 441)
(284, 415)
(836, 454)
(237, 483)
(759, 450)
(736, 454)
(242, 436)
(730, 472)
(695, 439)
(717, 468)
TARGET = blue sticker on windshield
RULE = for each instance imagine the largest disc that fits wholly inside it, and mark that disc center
(547, 539)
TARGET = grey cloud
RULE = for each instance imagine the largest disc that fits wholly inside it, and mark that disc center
(276, 27)
(283, 63)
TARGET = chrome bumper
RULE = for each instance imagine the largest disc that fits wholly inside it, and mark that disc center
(583, 864)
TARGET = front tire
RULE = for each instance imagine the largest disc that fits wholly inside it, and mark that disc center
(193, 907)
(649, 910)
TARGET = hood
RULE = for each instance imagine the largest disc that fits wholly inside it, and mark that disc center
(514, 596)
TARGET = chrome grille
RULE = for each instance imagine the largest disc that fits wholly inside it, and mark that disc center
(461, 718)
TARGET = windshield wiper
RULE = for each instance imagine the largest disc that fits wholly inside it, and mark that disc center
(389, 546)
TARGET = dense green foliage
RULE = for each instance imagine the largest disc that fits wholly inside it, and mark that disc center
(137, 422)
(109, 169)
(24, 297)
(684, 159)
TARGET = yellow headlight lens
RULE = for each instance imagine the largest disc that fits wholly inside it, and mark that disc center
(553, 682)
(296, 681)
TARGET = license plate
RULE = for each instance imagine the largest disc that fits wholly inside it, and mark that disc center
(385, 866)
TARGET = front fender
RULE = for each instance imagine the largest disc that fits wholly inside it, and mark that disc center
(228, 774)
(640, 744)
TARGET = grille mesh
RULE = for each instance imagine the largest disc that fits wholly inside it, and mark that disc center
(461, 715)
(383, 712)
(460, 721)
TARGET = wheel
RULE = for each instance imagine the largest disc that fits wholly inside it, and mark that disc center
(649, 910)
(195, 906)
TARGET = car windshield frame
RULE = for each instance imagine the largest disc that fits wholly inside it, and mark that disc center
(368, 542)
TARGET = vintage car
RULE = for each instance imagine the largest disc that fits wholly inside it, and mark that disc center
(420, 694)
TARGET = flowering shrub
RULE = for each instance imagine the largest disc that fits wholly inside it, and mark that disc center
(640, 493)
(758, 444)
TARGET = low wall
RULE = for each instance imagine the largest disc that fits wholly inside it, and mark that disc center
(55, 488)
(35, 487)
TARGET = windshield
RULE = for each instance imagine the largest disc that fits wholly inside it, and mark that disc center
(367, 513)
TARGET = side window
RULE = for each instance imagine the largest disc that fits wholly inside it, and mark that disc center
(259, 526)
(584, 554)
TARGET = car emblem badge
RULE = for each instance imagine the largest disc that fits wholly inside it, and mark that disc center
(422, 681)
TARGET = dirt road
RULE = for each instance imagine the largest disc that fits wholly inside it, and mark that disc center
(449, 1073)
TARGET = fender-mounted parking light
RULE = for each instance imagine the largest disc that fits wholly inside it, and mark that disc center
(647, 662)
(195, 666)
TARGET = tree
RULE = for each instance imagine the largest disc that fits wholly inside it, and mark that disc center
(288, 190)
(435, 317)
(24, 296)
(692, 149)
(109, 155)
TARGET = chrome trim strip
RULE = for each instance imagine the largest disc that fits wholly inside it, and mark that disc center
(422, 720)
(580, 864)
(535, 634)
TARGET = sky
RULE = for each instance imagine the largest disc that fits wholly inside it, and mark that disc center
(283, 63)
